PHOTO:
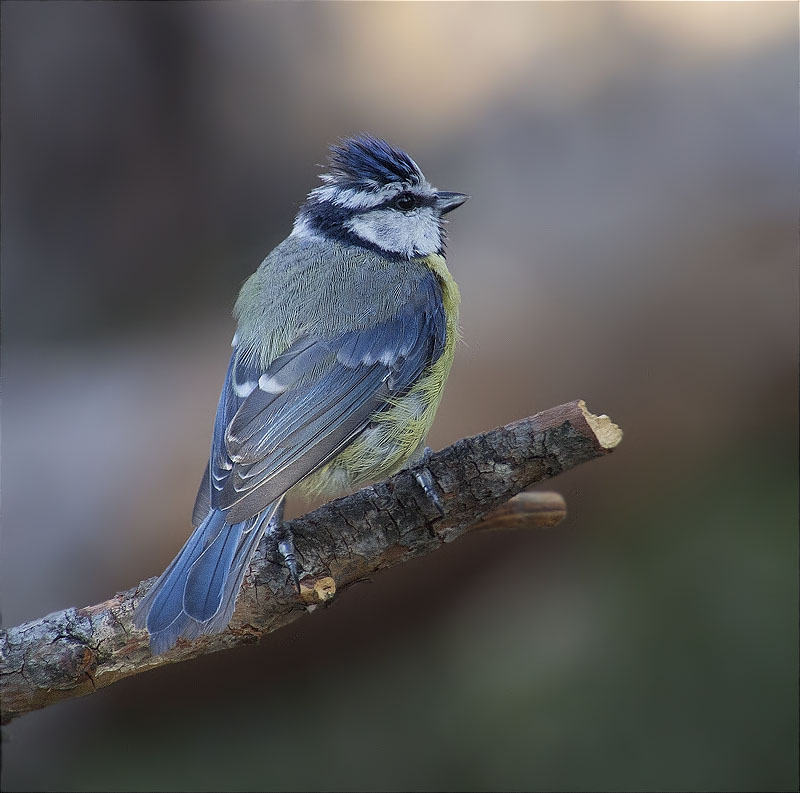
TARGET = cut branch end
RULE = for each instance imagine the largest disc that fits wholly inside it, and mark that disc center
(608, 434)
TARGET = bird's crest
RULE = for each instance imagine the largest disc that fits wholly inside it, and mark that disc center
(366, 161)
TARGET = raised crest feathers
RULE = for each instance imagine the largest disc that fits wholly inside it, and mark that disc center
(366, 161)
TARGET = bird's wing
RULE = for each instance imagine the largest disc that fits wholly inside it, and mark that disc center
(311, 402)
(241, 378)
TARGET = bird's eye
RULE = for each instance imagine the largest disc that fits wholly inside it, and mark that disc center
(405, 201)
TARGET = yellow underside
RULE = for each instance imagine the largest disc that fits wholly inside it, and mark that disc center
(399, 431)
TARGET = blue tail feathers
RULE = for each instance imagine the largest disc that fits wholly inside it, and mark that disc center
(197, 593)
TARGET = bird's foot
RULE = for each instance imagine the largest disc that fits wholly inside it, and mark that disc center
(425, 479)
(281, 543)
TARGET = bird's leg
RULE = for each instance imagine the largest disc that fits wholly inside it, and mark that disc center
(286, 549)
(425, 480)
(280, 539)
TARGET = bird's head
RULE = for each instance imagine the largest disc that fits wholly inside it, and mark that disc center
(375, 196)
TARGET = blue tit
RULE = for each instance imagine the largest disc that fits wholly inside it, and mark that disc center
(345, 337)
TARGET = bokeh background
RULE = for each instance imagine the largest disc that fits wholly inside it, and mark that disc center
(632, 240)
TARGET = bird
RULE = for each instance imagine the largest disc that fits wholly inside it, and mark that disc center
(345, 336)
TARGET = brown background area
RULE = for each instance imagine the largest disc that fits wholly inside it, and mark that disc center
(631, 240)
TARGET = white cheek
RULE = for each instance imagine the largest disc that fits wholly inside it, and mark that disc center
(413, 234)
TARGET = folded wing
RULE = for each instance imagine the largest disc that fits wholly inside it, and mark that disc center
(275, 426)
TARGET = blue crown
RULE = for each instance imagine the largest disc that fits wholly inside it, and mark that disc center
(365, 160)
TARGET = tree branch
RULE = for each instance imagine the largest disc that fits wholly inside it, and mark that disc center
(76, 651)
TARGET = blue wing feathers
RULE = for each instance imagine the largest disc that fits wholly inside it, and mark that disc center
(300, 363)
(312, 392)
(323, 421)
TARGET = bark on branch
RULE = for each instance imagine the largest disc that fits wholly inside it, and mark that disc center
(76, 651)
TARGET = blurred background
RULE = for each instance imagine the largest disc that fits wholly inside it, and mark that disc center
(632, 240)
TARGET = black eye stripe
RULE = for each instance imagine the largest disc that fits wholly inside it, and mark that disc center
(391, 203)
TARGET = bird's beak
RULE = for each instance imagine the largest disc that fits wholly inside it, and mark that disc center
(447, 202)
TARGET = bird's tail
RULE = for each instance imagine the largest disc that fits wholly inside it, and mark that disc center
(197, 593)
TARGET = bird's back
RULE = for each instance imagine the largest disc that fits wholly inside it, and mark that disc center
(323, 288)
